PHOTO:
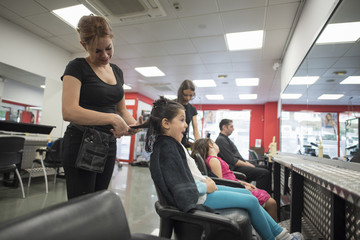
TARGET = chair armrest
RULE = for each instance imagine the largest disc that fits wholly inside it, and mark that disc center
(227, 182)
(198, 217)
(239, 175)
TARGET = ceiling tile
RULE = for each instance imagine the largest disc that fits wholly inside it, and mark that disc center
(135, 33)
(243, 56)
(150, 49)
(181, 46)
(23, 8)
(187, 59)
(243, 20)
(166, 30)
(198, 7)
(47, 21)
(280, 16)
(210, 44)
(230, 5)
(204, 25)
(215, 57)
(56, 4)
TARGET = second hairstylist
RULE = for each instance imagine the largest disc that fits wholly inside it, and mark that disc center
(185, 94)
(93, 97)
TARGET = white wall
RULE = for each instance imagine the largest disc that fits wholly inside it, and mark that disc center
(24, 50)
(313, 18)
(22, 93)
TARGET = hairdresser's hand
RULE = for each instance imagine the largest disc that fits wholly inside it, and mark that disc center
(210, 185)
(120, 128)
(133, 131)
(248, 186)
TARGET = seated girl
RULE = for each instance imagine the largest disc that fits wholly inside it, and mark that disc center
(171, 174)
(209, 150)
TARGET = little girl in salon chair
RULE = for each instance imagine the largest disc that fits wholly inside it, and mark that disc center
(209, 151)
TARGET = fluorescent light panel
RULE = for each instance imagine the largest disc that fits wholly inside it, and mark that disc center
(244, 40)
(351, 80)
(340, 33)
(248, 96)
(215, 97)
(308, 80)
(247, 81)
(330, 96)
(291, 96)
(150, 71)
(71, 15)
(205, 83)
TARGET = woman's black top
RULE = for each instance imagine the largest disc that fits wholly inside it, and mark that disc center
(95, 94)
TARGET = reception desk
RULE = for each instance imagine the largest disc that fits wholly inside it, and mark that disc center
(325, 195)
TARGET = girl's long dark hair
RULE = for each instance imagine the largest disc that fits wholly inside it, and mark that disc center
(201, 146)
(162, 108)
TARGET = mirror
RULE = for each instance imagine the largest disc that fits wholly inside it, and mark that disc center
(332, 63)
(21, 95)
(307, 124)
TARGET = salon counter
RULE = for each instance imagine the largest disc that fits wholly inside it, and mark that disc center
(325, 194)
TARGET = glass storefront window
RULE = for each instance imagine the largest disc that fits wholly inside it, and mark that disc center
(241, 121)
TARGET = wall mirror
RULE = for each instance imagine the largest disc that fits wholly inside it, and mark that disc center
(330, 69)
(21, 95)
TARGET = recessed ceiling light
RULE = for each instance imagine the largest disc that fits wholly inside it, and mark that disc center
(205, 83)
(244, 40)
(330, 96)
(351, 80)
(247, 81)
(222, 76)
(308, 80)
(340, 73)
(172, 97)
(248, 96)
(126, 87)
(340, 33)
(71, 15)
(42, 86)
(291, 96)
(150, 71)
(215, 97)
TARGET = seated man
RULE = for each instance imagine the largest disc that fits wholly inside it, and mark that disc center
(230, 154)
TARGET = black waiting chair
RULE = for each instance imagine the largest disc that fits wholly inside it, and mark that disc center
(95, 216)
(255, 159)
(53, 160)
(11, 149)
(206, 171)
(233, 223)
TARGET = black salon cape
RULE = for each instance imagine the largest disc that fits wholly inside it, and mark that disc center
(171, 174)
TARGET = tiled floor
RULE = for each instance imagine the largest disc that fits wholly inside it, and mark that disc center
(133, 184)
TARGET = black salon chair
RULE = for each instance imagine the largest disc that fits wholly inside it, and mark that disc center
(206, 171)
(231, 223)
(11, 149)
(255, 159)
(53, 160)
(94, 216)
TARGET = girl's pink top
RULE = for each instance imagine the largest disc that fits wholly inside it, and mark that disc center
(226, 172)
(260, 194)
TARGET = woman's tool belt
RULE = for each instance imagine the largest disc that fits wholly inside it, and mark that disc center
(93, 150)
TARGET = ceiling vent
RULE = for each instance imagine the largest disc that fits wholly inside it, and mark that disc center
(120, 11)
